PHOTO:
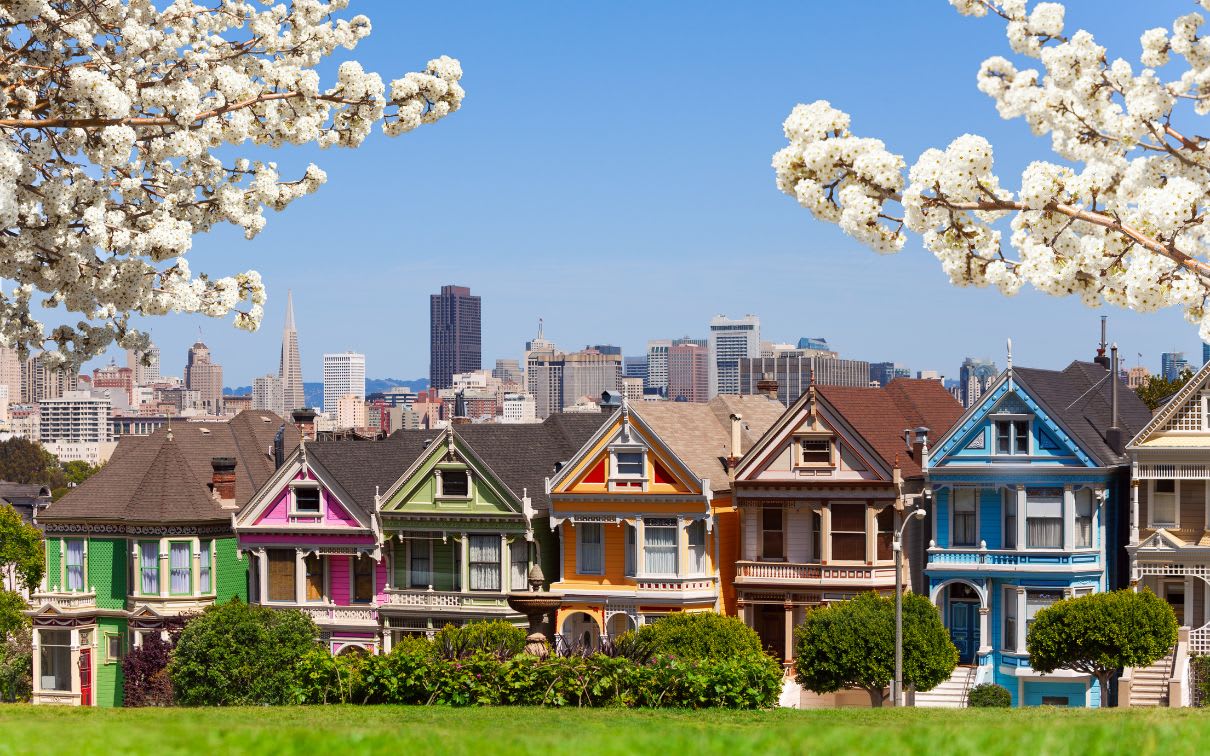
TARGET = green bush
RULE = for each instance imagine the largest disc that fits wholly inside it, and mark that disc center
(17, 665)
(240, 654)
(700, 635)
(497, 637)
(989, 695)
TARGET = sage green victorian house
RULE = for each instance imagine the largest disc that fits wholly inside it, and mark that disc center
(468, 518)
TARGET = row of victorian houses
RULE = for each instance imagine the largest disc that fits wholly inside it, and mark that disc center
(739, 505)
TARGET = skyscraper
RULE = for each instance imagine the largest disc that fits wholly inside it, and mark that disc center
(205, 377)
(289, 371)
(267, 394)
(10, 373)
(731, 341)
(144, 375)
(975, 377)
(544, 374)
(635, 367)
(1171, 364)
(589, 372)
(344, 375)
(455, 337)
(657, 365)
(688, 373)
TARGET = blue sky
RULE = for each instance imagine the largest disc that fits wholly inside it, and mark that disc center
(609, 172)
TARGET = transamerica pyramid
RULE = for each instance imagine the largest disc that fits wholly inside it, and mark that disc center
(290, 371)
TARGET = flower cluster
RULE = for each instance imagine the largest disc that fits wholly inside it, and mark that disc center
(1119, 219)
(111, 118)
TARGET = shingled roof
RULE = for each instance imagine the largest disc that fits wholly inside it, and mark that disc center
(880, 415)
(165, 478)
(1078, 398)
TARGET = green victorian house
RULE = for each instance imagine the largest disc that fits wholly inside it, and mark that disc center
(145, 540)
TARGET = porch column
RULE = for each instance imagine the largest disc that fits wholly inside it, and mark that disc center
(871, 534)
(196, 562)
(1188, 619)
(464, 566)
(825, 533)
(1021, 620)
(300, 576)
(504, 560)
(165, 571)
(262, 575)
(640, 563)
(1021, 518)
(985, 636)
(789, 641)
(1205, 618)
(430, 545)
(1069, 518)
(1134, 511)
(811, 555)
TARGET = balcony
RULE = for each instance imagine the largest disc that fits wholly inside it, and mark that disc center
(1171, 471)
(342, 615)
(788, 573)
(675, 584)
(422, 599)
(1011, 560)
(66, 601)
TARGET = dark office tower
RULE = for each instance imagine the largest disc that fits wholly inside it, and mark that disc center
(455, 341)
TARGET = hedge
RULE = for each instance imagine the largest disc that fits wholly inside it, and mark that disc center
(700, 635)
(989, 695)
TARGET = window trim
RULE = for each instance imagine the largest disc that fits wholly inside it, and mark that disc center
(833, 451)
(205, 556)
(1176, 509)
(616, 480)
(631, 548)
(761, 530)
(699, 524)
(495, 541)
(158, 577)
(189, 552)
(1008, 642)
(323, 579)
(1092, 518)
(580, 529)
(107, 648)
(833, 532)
(1014, 444)
(353, 561)
(953, 511)
(308, 484)
(1062, 518)
(470, 484)
(1009, 496)
(83, 566)
(676, 548)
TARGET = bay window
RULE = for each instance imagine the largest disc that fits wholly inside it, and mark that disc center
(1009, 501)
(1084, 510)
(772, 526)
(75, 565)
(281, 574)
(204, 569)
(180, 565)
(659, 546)
(149, 568)
(519, 560)
(363, 579)
(697, 547)
(54, 652)
(1008, 640)
(632, 549)
(1163, 504)
(314, 566)
(590, 549)
(484, 561)
(420, 563)
(964, 505)
(848, 532)
(886, 533)
(1036, 601)
(1044, 518)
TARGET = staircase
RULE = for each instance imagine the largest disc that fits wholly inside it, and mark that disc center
(1149, 685)
(950, 694)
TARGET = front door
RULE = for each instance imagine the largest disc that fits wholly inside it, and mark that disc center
(771, 627)
(85, 665)
(1174, 594)
(964, 629)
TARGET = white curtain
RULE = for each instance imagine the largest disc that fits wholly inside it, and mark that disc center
(520, 564)
(485, 563)
(149, 568)
(203, 577)
(75, 565)
(591, 557)
(179, 555)
(660, 549)
(1044, 521)
(697, 547)
(1083, 519)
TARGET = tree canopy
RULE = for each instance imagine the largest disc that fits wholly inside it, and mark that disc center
(22, 554)
(851, 644)
(24, 461)
(1157, 389)
(1101, 633)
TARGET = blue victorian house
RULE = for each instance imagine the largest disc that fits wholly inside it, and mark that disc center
(1030, 491)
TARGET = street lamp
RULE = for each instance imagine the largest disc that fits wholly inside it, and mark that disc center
(897, 547)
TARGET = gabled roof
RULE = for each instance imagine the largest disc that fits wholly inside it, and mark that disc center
(1078, 398)
(165, 477)
(1173, 405)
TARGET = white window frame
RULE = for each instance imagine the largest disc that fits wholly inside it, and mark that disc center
(1091, 496)
(581, 529)
(1063, 525)
(833, 451)
(953, 508)
(1014, 441)
(760, 513)
(470, 484)
(1176, 506)
(626, 481)
(632, 549)
(309, 485)
(1009, 501)
(676, 545)
(1008, 641)
(697, 552)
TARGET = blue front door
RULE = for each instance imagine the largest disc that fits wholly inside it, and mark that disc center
(964, 629)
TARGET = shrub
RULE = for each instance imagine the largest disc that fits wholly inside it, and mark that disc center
(145, 681)
(700, 635)
(238, 654)
(17, 665)
(989, 695)
(497, 637)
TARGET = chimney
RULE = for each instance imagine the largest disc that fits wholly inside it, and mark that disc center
(767, 385)
(223, 479)
(737, 427)
(460, 417)
(1101, 359)
(920, 444)
(304, 420)
(1113, 436)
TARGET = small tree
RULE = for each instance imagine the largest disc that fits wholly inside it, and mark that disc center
(1157, 389)
(1101, 633)
(24, 461)
(851, 644)
(700, 635)
(22, 555)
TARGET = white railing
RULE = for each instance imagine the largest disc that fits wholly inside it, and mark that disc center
(1199, 640)
(65, 600)
(1168, 569)
(789, 571)
(1171, 471)
(342, 613)
(1180, 692)
(698, 583)
(424, 598)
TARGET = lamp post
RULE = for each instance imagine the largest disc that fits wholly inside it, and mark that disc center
(897, 547)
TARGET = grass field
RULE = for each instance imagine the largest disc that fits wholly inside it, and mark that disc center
(386, 729)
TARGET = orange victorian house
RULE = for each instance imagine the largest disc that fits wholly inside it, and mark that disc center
(645, 516)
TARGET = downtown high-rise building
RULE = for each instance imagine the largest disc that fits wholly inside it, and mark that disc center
(205, 376)
(344, 375)
(455, 335)
(1172, 364)
(144, 374)
(10, 373)
(731, 341)
(39, 381)
(544, 375)
(688, 372)
(975, 377)
(267, 394)
(657, 365)
(289, 370)
(794, 370)
(590, 372)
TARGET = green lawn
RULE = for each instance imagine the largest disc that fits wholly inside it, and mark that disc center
(483, 731)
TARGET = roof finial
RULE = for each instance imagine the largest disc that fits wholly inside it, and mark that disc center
(1010, 356)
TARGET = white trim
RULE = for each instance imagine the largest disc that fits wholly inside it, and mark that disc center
(1014, 443)
(580, 548)
(953, 491)
(292, 497)
(1176, 493)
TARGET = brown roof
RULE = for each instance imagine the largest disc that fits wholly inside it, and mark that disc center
(700, 434)
(158, 479)
(880, 415)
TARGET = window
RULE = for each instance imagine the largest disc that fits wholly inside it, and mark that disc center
(180, 573)
(363, 579)
(628, 464)
(772, 527)
(659, 546)
(113, 648)
(485, 562)
(886, 533)
(281, 574)
(204, 569)
(75, 565)
(1164, 512)
(815, 451)
(964, 517)
(1084, 518)
(1044, 518)
(590, 549)
(848, 532)
(54, 650)
(1012, 436)
(697, 547)
(1009, 501)
(420, 573)
(519, 559)
(1036, 601)
(455, 483)
(1009, 640)
(816, 526)
(632, 548)
(149, 568)
(306, 499)
(314, 566)
(1055, 701)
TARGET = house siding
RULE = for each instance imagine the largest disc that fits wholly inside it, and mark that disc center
(108, 685)
(107, 571)
(338, 579)
(230, 572)
(54, 563)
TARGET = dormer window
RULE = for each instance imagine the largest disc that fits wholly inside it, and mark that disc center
(628, 468)
(306, 498)
(455, 483)
(1012, 436)
(816, 451)
(629, 465)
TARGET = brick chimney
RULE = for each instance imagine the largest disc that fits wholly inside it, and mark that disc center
(767, 385)
(304, 420)
(737, 430)
(223, 479)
